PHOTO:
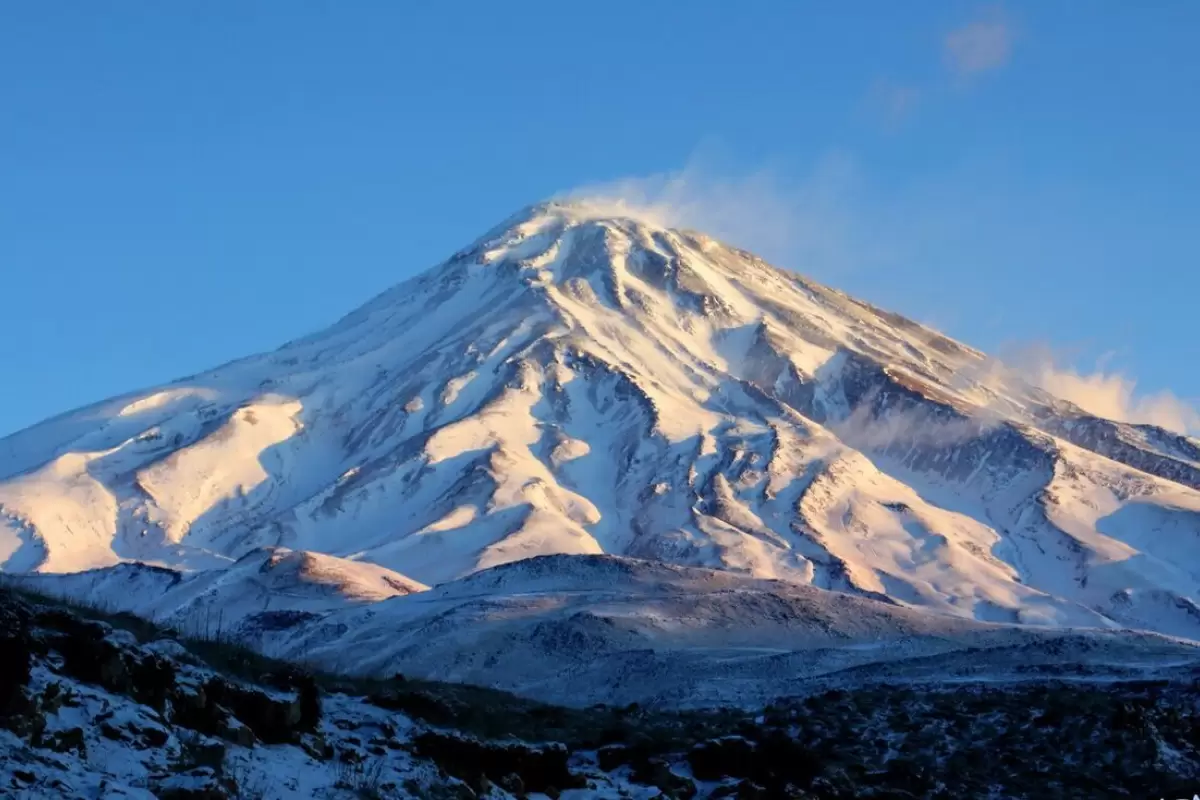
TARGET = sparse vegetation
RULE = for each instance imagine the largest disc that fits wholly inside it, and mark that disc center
(363, 777)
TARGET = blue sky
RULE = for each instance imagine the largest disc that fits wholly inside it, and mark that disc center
(185, 183)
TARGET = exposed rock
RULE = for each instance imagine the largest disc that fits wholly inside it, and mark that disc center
(539, 768)
(272, 721)
(69, 740)
(657, 772)
(198, 784)
(15, 663)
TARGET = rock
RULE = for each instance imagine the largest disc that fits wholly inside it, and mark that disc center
(155, 737)
(88, 655)
(612, 756)
(272, 721)
(512, 784)
(773, 761)
(110, 731)
(171, 649)
(540, 768)
(233, 730)
(315, 745)
(239, 714)
(308, 700)
(123, 638)
(195, 710)
(16, 654)
(154, 681)
(52, 698)
(717, 759)
(64, 788)
(196, 784)
(206, 753)
(64, 741)
(657, 773)
(28, 724)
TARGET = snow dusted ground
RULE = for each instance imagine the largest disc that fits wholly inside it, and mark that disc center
(578, 630)
(575, 384)
(86, 721)
(89, 710)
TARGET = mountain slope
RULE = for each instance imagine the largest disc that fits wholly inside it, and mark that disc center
(580, 383)
(579, 630)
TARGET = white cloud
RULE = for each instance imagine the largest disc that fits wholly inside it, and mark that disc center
(1107, 393)
(980, 46)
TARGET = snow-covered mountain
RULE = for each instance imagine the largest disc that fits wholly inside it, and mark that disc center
(582, 382)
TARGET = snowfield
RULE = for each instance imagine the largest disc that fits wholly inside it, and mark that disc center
(627, 398)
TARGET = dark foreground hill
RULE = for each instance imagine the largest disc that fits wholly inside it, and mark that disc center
(95, 705)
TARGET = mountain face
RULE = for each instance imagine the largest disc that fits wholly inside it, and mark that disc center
(577, 383)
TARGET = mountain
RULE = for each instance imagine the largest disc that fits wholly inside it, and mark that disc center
(580, 382)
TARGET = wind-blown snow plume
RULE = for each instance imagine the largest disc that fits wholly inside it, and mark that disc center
(807, 222)
(1108, 393)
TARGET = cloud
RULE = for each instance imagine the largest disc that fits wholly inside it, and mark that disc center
(979, 46)
(1106, 393)
(894, 102)
(982, 45)
(915, 426)
(805, 222)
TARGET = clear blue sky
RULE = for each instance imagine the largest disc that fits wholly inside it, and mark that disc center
(184, 183)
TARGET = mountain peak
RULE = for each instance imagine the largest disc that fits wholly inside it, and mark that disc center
(597, 208)
(606, 222)
(585, 380)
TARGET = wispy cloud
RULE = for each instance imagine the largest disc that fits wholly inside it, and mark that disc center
(895, 102)
(981, 45)
(805, 222)
(919, 425)
(1105, 392)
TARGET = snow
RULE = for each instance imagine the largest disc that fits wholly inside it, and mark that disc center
(582, 382)
(224, 467)
(102, 744)
(584, 629)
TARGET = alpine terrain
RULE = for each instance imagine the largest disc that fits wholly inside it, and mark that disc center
(592, 459)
